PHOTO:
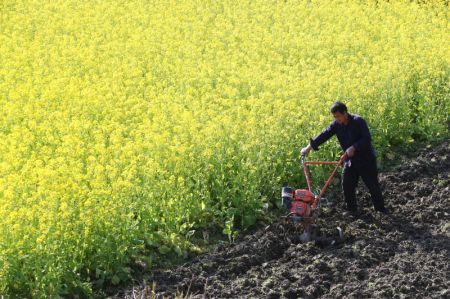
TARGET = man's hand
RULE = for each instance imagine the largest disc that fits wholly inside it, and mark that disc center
(350, 151)
(305, 151)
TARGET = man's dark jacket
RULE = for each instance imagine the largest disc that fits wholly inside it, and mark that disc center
(355, 133)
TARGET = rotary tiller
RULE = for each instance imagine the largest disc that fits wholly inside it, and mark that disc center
(304, 204)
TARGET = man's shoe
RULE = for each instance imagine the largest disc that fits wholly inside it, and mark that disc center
(383, 216)
(384, 211)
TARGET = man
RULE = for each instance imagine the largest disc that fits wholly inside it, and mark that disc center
(355, 140)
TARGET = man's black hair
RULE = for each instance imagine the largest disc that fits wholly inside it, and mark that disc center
(338, 107)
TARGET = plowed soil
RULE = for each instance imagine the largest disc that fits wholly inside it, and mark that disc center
(403, 255)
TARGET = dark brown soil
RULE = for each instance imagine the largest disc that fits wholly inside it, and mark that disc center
(403, 255)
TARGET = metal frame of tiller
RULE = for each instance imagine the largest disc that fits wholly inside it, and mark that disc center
(327, 182)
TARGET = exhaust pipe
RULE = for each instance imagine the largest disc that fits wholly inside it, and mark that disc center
(287, 196)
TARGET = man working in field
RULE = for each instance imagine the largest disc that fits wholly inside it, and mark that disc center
(355, 139)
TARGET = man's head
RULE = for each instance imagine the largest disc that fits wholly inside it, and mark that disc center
(339, 111)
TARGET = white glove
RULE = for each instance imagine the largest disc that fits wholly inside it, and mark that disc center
(305, 151)
(350, 151)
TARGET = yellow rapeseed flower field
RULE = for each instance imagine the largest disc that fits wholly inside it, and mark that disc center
(130, 127)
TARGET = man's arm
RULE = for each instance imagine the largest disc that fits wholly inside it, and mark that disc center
(323, 136)
(364, 141)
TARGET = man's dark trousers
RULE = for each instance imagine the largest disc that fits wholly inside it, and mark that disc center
(369, 174)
